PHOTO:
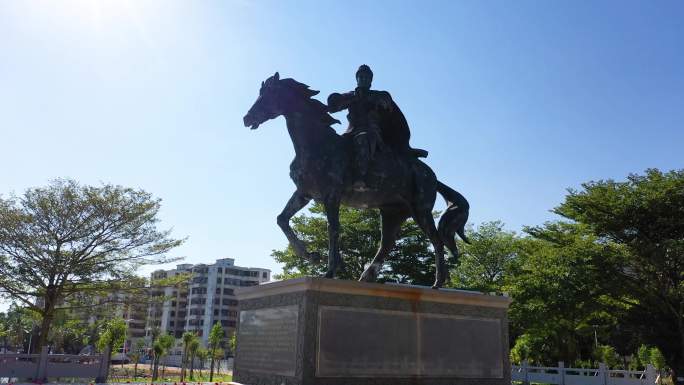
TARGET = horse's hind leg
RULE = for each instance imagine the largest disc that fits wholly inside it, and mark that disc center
(392, 219)
(332, 212)
(427, 224)
(297, 202)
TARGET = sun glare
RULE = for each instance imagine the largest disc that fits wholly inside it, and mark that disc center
(97, 15)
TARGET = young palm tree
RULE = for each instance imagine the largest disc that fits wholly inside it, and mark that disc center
(194, 346)
(202, 355)
(187, 339)
(215, 338)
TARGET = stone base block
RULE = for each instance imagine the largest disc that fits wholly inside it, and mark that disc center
(315, 331)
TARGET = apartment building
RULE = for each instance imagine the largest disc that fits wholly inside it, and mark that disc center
(206, 299)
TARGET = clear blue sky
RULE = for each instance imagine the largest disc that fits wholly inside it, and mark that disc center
(515, 100)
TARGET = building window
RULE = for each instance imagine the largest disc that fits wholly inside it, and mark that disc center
(227, 291)
(199, 290)
(230, 302)
(218, 290)
(173, 313)
(220, 270)
(264, 275)
(215, 311)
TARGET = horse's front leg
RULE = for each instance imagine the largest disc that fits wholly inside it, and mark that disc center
(332, 211)
(297, 202)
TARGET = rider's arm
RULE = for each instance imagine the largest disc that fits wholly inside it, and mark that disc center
(386, 100)
(339, 102)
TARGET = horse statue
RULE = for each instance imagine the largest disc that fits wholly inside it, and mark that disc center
(399, 185)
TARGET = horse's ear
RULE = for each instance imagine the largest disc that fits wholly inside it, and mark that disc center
(262, 84)
(276, 76)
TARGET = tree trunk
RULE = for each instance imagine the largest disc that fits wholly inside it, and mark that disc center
(211, 367)
(135, 369)
(184, 360)
(155, 371)
(45, 325)
(192, 365)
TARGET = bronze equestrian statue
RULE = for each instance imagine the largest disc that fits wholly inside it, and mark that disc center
(376, 169)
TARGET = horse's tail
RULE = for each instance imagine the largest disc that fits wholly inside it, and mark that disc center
(454, 218)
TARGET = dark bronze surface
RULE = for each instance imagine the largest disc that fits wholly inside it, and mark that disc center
(403, 344)
(371, 167)
(268, 340)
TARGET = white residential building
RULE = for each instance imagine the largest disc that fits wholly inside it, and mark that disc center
(208, 298)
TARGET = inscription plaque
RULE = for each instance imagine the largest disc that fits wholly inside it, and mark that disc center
(268, 340)
(396, 344)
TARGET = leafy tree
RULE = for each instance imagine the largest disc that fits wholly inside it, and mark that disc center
(113, 336)
(607, 355)
(644, 355)
(643, 217)
(487, 260)
(522, 350)
(219, 354)
(68, 335)
(232, 343)
(160, 347)
(658, 361)
(135, 354)
(215, 338)
(411, 261)
(66, 238)
(18, 324)
(202, 355)
(556, 292)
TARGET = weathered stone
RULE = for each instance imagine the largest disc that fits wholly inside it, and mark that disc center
(347, 332)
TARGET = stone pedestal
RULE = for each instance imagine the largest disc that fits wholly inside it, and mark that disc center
(315, 331)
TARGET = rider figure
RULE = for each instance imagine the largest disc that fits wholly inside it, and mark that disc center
(366, 108)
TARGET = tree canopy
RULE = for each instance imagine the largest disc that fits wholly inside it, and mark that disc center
(411, 261)
(66, 238)
(640, 223)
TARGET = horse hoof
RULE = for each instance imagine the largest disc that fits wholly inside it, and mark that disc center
(329, 274)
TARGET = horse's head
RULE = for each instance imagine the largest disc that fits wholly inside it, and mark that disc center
(269, 104)
(276, 97)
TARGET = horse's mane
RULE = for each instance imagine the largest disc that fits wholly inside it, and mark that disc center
(307, 94)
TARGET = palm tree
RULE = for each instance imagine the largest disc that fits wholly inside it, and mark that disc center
(193, 346)
(161, 348)
(187, 339)
(215, 337)
(202, 355)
